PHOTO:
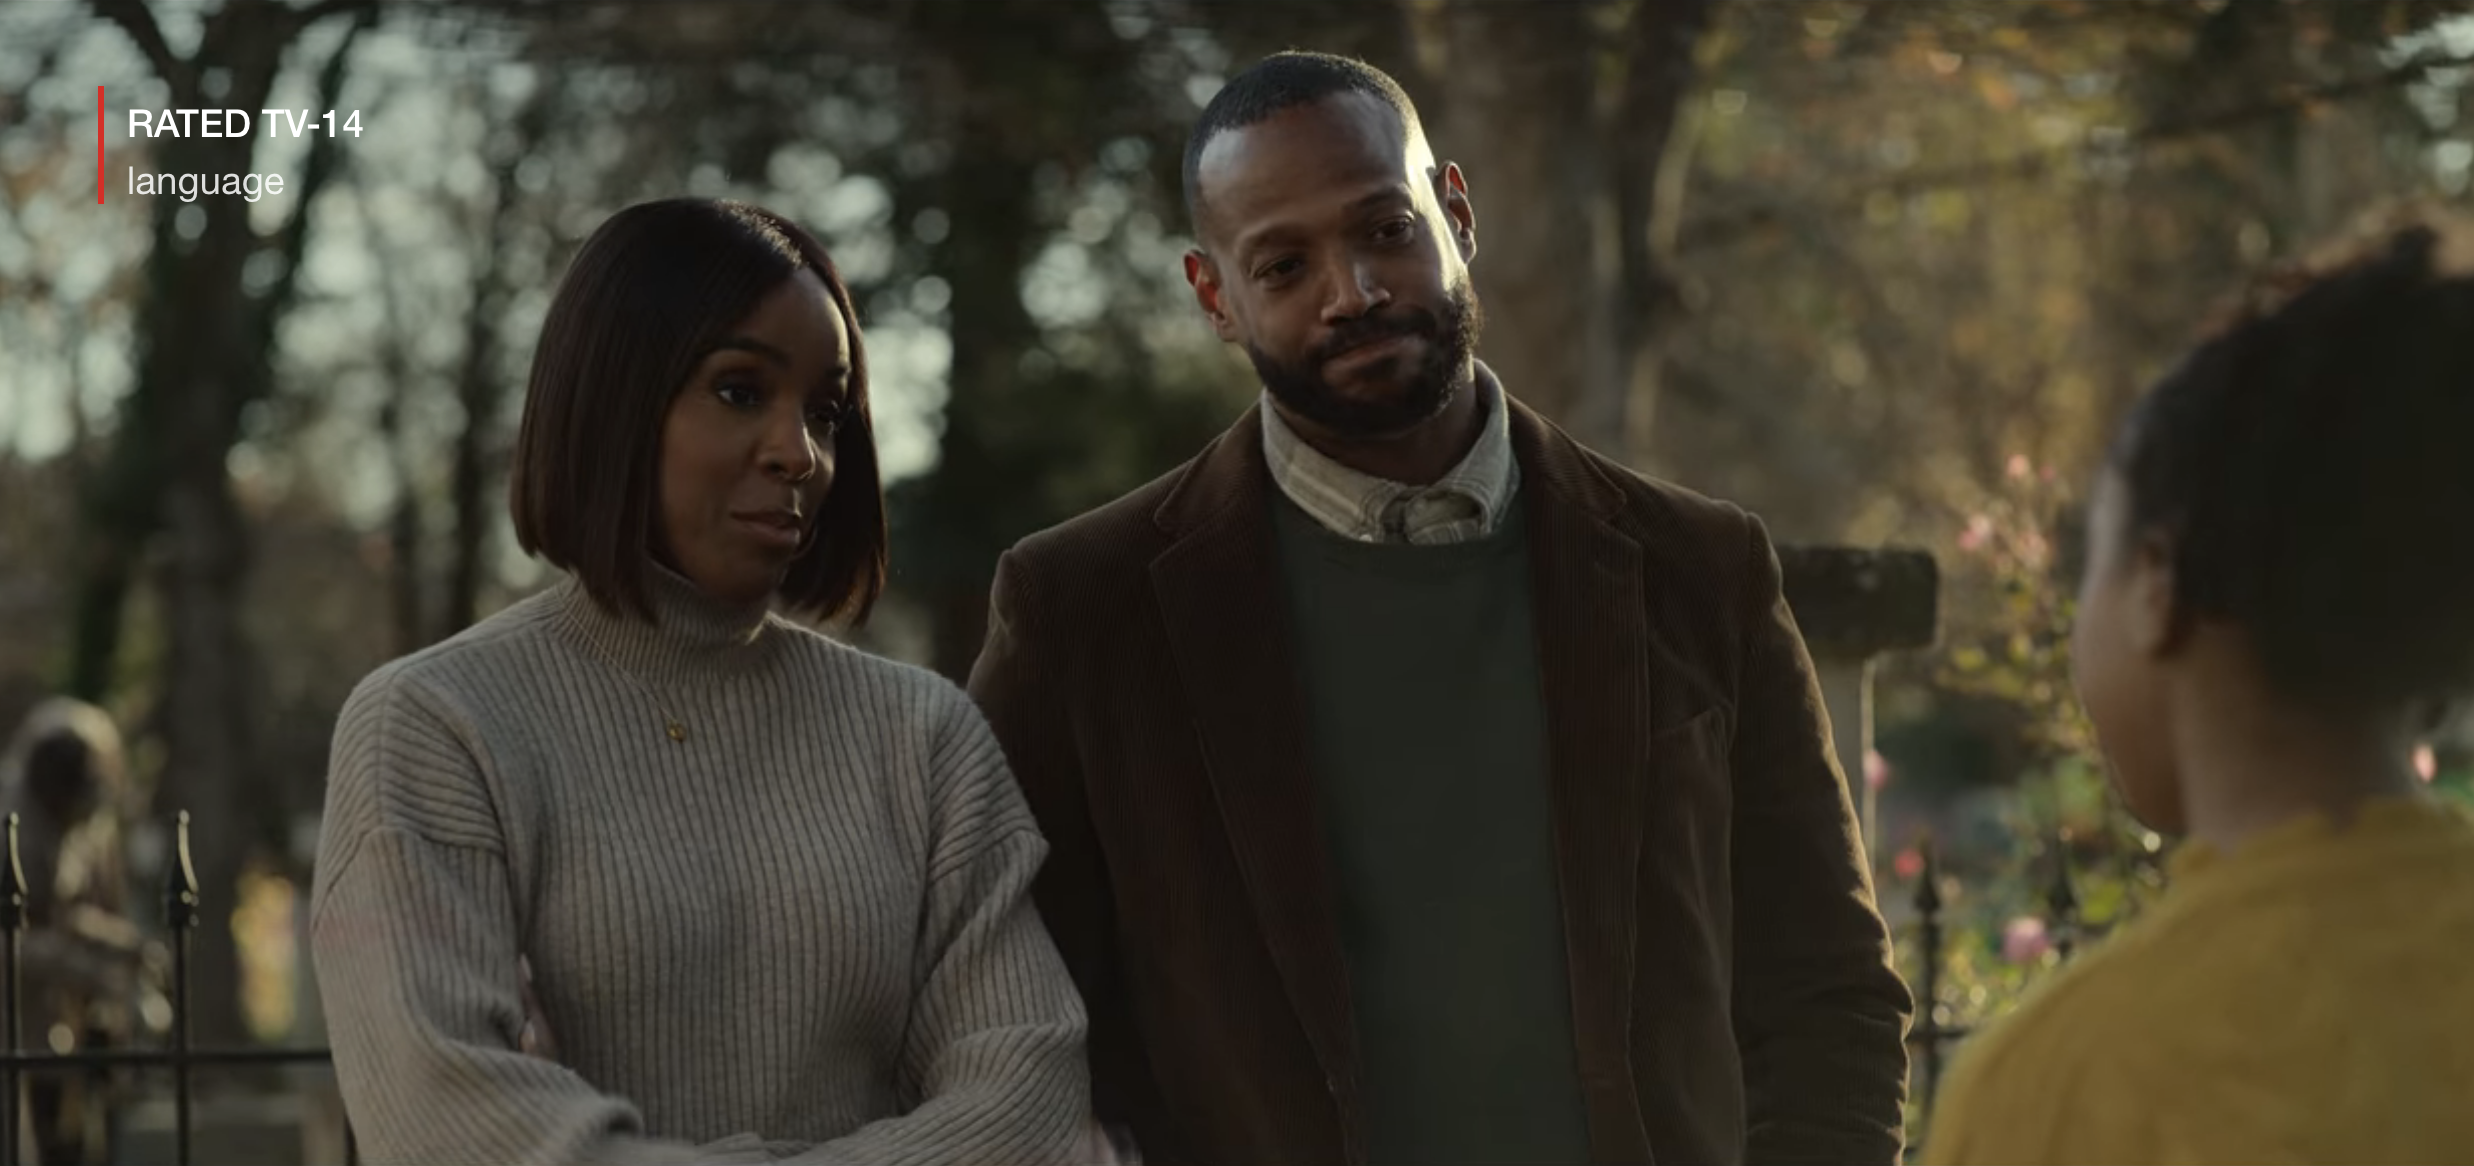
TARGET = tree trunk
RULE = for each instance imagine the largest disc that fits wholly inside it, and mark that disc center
(985, 197)
(1650, 136)
(1562, 129)
(971, 507)
(404, 558)
(205, 352)
(481, 388)
(207, 720)
(1514, 102)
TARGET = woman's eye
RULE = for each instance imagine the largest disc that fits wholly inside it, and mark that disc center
(825, 418)
(739, 394)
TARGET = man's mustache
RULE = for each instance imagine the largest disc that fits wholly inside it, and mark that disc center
(1368, 329)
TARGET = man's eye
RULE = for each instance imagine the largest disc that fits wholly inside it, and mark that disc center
(1277, 269)
(1395, 231)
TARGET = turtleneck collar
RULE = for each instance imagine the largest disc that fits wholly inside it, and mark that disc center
(694, 637)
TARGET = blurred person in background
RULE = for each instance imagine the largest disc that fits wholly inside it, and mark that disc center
(65, 777)
(2278, 599)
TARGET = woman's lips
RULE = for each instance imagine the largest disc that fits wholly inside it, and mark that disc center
(779, 528)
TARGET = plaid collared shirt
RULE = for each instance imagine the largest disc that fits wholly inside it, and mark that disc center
(1466, 503)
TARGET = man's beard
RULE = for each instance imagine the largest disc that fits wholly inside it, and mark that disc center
(1425, 388)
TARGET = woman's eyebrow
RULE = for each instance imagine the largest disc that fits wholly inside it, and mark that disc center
(751, 346)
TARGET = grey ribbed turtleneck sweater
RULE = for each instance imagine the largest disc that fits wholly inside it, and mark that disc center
(802, 931)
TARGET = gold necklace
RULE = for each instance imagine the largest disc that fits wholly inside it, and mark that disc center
(672, 726)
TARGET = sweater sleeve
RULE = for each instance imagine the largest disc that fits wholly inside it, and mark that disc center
(1016, 686)
(995, 1045)
(413, 934)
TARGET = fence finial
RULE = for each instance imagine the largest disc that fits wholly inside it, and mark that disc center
(181, 903)
(13, 892)
(12, 1010)
(181, 898)
(1929, 1030)
(2062, 898)
(1928, 879)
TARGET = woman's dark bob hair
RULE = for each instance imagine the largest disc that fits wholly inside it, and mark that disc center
(647, 296)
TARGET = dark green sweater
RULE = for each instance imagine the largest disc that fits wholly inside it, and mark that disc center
(1429, 742)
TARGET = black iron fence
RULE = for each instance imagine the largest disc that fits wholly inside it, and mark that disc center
(19, 1064)
(1931, 1037)
(1933, 1032)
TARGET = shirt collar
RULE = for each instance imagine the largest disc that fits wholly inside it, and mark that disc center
(1467, 502)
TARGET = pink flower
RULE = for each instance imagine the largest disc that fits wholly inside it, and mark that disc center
(2024, 940)
(1909, 863)
(2427, 763)
(2019, 467)
(1876, 770)
(1979, 532)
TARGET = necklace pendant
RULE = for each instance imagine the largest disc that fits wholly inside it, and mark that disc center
(677, 731)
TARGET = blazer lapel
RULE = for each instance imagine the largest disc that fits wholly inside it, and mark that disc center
(1593, 656)
(1220, 596)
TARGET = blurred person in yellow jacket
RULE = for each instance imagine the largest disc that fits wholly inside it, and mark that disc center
(2278, 599)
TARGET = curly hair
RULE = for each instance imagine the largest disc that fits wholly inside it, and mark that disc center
(2311, 465)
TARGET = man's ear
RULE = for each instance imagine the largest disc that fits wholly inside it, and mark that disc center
(1203, 276)
(1452, 191)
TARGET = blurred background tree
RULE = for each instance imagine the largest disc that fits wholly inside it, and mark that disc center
(1884, 272)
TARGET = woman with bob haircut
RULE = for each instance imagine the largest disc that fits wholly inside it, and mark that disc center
(769, 892)
(2276, 602)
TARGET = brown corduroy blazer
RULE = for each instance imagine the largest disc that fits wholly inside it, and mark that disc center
(1732, 995)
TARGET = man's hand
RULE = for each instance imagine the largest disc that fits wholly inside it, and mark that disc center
(534, 1039)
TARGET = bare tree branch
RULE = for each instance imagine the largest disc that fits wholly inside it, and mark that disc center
(1721, 230)
(15, 108)
(305, 17)
(138, 21)
(324, 155)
